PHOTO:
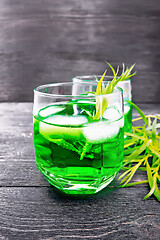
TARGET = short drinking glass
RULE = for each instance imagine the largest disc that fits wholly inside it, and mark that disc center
(78, 138)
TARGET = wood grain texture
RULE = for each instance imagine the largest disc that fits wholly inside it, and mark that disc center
(52, 41)
(32, 209)
(42, 213)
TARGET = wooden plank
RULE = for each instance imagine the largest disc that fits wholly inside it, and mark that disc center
(52, 41)
(43, 213)
(21, 173)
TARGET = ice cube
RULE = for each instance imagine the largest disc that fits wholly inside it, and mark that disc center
(50, 127)
(64, 120)
(120, 122)
(111, 114)
(50, 110)
(52, 132)
(100, 132)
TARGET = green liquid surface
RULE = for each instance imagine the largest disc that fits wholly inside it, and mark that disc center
(76, 155)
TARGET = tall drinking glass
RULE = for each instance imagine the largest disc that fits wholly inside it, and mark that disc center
(88, 81)
(78, 138)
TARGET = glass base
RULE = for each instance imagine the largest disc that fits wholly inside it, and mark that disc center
(77, 187)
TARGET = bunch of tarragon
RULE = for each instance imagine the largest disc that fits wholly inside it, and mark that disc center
(142, 153)
(142, 146)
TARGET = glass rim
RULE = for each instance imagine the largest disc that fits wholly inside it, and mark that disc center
(117, 90)
(82, 78)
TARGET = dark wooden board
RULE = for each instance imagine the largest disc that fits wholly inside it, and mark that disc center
(30, 208)
(42, 213)
(52, 41)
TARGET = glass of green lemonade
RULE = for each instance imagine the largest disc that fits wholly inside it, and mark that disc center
(125, 85)
(78, 152)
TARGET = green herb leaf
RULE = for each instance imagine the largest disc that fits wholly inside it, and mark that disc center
(154, 140)
(98, 90)
(65, 144)
(139, 111)
(86, 148)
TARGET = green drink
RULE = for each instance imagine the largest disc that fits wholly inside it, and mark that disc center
(77, 154)
(127, 117)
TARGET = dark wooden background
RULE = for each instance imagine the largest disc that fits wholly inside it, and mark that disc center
(45, 41)
(54, 40)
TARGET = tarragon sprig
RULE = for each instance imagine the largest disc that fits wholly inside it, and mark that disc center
(142, 152)
(101, 101)
(125, 75)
